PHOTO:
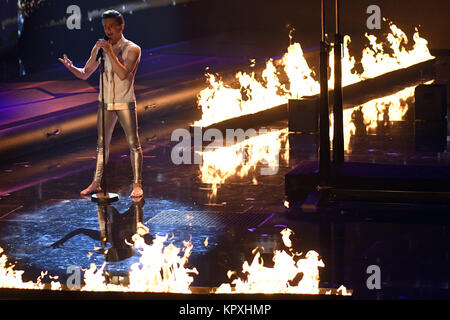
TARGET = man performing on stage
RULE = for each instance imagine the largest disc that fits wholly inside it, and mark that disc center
(121, 61)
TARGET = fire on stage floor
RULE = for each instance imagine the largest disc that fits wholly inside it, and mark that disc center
(46, 226)
(246, 212)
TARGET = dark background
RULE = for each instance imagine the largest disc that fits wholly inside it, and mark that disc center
(40, 45)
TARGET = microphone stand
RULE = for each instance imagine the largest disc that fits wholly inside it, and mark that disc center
(103, 197)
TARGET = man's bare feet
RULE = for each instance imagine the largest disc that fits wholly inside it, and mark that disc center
(94, 187)
(137, 191)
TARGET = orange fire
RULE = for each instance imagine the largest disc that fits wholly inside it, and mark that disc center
(376, 60)
(11, 278)
(162, 269)
(278, 279)
(221, 101)
(349, 74)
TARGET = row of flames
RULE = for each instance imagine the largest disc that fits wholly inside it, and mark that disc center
(249, 95)
(219, 101)
(163, 269)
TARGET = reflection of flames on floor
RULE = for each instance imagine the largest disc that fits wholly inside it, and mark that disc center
(162, 269)
(390, 108)
(264, 151)
(220, 101)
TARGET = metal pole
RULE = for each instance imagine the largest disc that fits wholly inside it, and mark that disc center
(338, 134)
(322, 19)
(107, 197)
(337, 15)
(102, 71)
(324, 122)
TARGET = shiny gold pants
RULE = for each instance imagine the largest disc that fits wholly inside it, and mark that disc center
(128, 121)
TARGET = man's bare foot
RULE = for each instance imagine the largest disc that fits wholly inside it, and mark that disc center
(137, 191)
(94, 187)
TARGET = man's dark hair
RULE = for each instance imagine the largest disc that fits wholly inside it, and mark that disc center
(113, 14)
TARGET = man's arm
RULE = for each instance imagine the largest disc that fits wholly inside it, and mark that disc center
(126, 69)
(89, 68)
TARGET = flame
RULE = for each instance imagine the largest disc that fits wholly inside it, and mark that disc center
(160, 269)
(219, 101)
(219, 164)
(376, 60)
(95, 280)
(349, 74)
(261, 279)
(299, 73)
(218, 97)
(286, 234)
(11, 278)
(343, 291)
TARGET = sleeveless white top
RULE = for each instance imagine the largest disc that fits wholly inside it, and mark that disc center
(119, 94)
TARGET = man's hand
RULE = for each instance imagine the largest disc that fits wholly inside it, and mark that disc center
(105, 45)
(124, 69)
(89, 68)
(66, 61)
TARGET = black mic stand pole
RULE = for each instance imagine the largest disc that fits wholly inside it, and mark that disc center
(103, 197)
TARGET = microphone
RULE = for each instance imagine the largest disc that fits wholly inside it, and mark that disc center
(100, 51)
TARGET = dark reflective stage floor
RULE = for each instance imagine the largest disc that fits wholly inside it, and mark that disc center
(40, 205)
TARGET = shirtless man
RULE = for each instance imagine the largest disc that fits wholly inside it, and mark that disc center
(121, 61)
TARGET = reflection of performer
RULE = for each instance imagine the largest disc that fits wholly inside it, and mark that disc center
(121, 61)
(116, 229)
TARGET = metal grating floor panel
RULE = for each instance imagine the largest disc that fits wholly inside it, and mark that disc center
(209, 219)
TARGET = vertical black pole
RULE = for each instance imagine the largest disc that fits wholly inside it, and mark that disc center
(324, 125)
(102, 71)
(107, 197)
(338, 134)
